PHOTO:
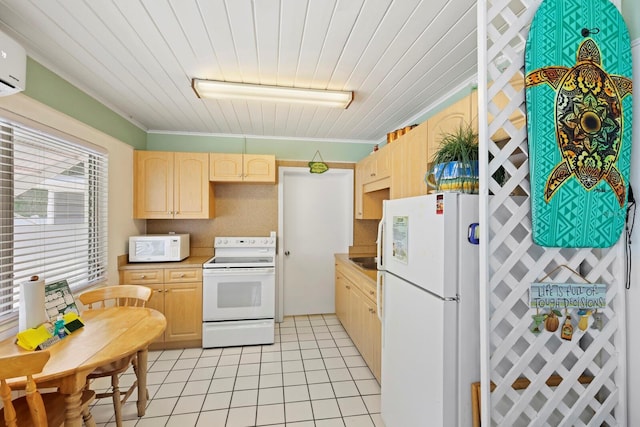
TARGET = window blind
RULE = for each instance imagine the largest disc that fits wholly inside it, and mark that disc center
(53, 216)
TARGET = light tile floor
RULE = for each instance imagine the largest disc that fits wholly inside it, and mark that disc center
(312, 376)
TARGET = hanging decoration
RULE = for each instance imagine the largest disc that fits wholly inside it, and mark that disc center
(318, 167)
(547, 295)
(585, 297)
(578, 68)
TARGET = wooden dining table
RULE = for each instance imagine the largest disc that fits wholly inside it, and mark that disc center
(109, 334)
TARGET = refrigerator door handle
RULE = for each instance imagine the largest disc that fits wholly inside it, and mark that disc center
(379, 246)
(379, 295)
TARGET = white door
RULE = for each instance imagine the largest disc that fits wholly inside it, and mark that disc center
(315, 222)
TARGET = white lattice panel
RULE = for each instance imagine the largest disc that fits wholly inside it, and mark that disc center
(511, 351)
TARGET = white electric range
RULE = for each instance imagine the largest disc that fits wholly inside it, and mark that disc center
(238, 293)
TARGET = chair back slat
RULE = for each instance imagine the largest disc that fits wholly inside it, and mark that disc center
(119, 295)
(23, 365)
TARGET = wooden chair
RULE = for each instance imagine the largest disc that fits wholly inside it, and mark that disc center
(121, 296)
(34, 409)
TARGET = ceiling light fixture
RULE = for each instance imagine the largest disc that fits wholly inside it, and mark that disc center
(227, 90)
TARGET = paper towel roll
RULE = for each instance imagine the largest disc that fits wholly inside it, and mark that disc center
(31, 312)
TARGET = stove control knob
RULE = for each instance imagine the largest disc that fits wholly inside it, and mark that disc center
(218, 241)
(225, 241)
(253, 241)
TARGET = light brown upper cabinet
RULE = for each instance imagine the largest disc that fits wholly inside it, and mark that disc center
(376, 169)
(170, 185)
(448, 120)
(225, 167)
(372, 184)
(409, 163)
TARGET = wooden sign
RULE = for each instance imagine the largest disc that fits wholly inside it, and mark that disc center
(318, 167)
(567, 295)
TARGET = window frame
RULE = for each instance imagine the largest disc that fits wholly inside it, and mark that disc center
(96, 190)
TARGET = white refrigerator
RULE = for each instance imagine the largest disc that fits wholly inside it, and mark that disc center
(428, 271)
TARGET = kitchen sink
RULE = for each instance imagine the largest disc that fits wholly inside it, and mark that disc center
(367, 263)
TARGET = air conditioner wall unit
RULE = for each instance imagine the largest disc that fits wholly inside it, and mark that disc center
(13, 66)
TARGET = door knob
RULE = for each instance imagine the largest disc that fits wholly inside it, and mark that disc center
(287, 253)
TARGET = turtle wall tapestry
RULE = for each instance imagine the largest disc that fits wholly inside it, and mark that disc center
(579, 108)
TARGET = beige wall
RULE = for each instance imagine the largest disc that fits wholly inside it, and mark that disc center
(240, 210)
(32, 113)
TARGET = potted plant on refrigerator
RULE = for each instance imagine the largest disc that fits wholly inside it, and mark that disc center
(454, 166)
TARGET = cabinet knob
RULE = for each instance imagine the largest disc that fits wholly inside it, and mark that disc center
(182, 275)
(142, 276)
(348, 287)
(287, 253)
(371, 292)
(371, 310)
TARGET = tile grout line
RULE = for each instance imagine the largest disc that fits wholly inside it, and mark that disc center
(313, 352)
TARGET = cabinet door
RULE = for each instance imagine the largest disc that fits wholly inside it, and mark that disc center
(225, 167)
(416, 161)
(359, 193)
(156, 302)
(368, 165)
(153, 184)
(183, 309)
(193, 193)
(447, 120)
(372, 332)
(342, 299)
(367, 205)
(358, 315)
(399, 181)
(383, 162)
(259, 168)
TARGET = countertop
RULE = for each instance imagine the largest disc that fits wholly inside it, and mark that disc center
(369, 273)
(191, 262)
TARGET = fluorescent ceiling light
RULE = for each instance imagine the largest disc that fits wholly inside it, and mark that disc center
(226, 90)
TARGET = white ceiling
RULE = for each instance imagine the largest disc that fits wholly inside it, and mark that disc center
(138, 57)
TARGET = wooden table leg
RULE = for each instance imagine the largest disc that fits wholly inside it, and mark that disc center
(142, 381)
(73, 411)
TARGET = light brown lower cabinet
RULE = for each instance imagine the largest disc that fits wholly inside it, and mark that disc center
(357, 311)
(177, 293)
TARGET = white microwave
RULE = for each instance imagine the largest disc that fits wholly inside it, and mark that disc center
(158, 247)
